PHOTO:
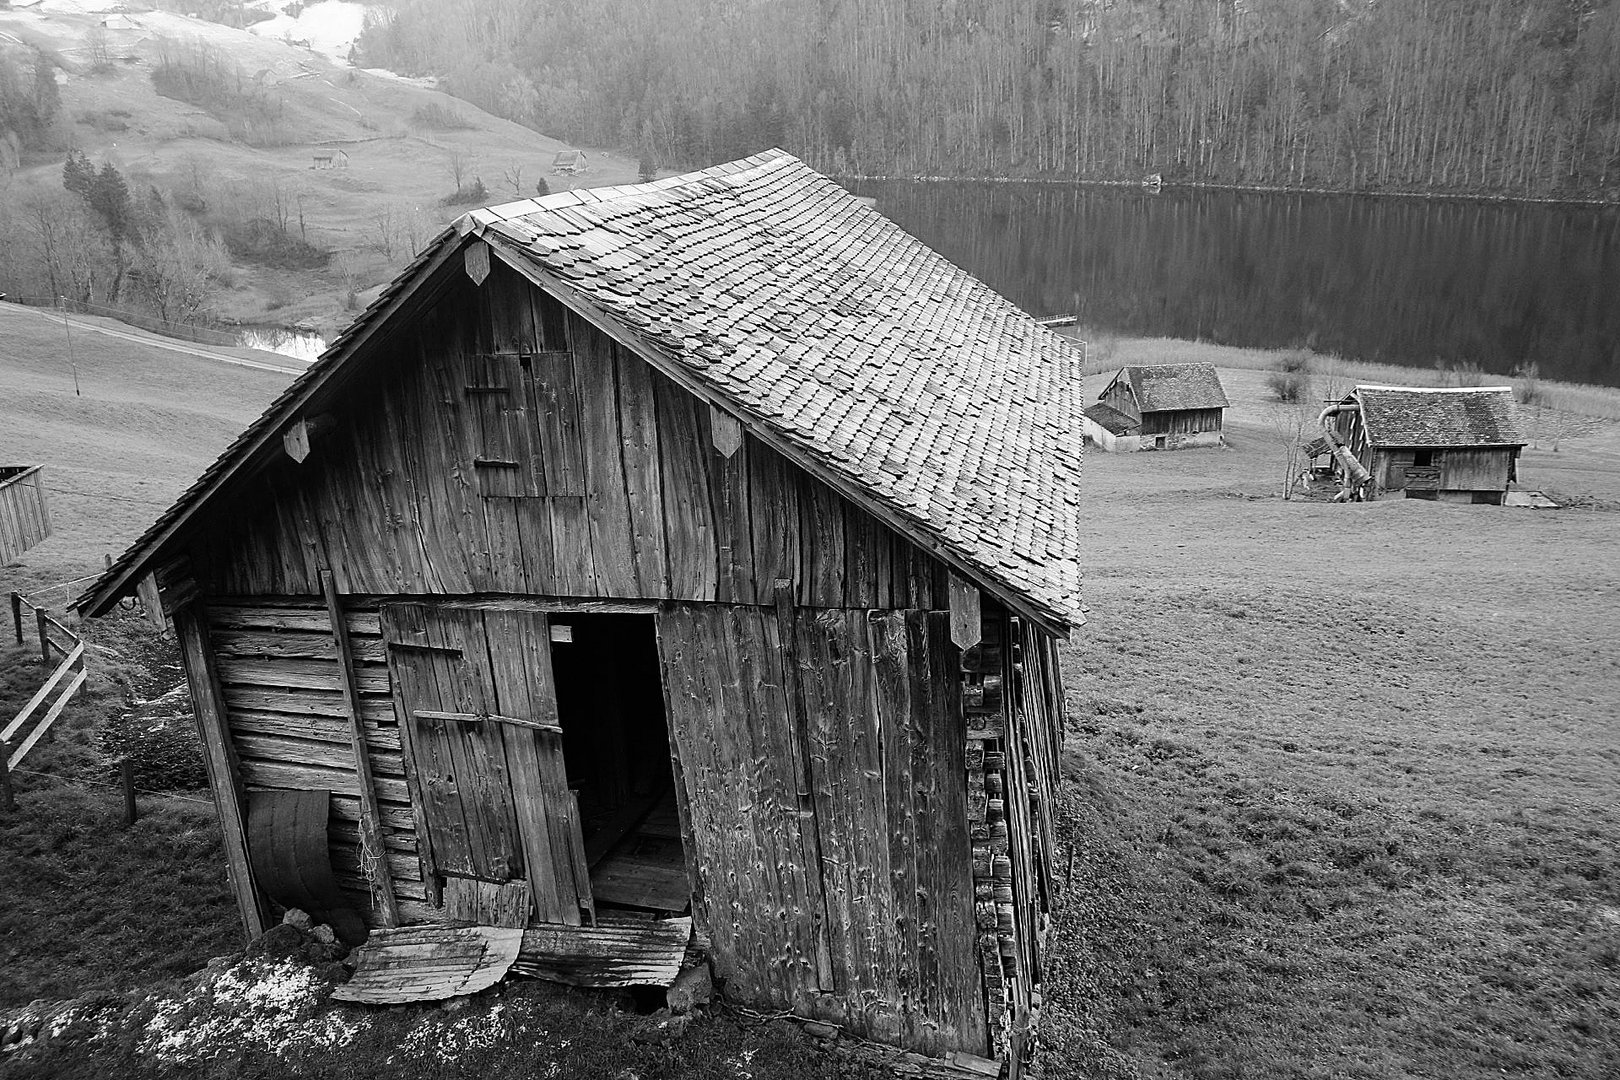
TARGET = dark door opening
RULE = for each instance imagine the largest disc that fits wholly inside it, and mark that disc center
(610, 703)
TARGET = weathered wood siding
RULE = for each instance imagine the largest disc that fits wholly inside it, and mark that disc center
(288, 723)
(25, 514)
(1118, 395)
(1463, 469)
(1181, 421)
(839, 732)
(515, 448)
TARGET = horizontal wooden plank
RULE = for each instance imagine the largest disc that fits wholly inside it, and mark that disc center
(296, 645)
(237, 613)
(381, 737)
(298, 674)
(300, 701)
(395, 817)
(285, 776)
(310, 752)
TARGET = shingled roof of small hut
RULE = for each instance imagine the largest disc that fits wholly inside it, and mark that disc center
(1440, 416)
(893, 373)
(1116, 422)
(1166, 387)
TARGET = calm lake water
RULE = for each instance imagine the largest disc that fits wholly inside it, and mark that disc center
(1401, 281)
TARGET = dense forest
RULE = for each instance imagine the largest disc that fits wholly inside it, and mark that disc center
(1513, 97)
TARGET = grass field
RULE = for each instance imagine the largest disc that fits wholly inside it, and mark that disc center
(1341, 793)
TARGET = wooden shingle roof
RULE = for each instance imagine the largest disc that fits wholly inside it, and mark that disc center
(1168, 387)
(1440, 416)
(825, 328)
(826, 322)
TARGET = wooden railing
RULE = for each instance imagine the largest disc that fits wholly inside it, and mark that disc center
(21, 734)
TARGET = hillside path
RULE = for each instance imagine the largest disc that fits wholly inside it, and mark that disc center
(244, 357)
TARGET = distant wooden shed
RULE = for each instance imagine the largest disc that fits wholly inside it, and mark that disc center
(570, 162)
(1454, 444)
(701, 545)
(25, 513)
(1159, 407)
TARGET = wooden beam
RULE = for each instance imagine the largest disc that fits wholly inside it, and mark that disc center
(152, 601)
(372, 861)
(224, 777)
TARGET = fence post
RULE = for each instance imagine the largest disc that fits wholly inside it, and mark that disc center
(44, 637)
(126, 774)
(7, 801)
(16, 614)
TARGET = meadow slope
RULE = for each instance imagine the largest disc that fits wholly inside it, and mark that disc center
(1341, 778)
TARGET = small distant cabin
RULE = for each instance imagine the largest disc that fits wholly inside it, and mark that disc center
(25, 514)
(1454, 444)
(690, 550)
(570, 162)
(1158, 407)
(330, 159)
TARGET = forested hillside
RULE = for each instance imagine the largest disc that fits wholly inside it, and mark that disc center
(1513, 97)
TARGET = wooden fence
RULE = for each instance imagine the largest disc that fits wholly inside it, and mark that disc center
(21, 734)
(25, 516)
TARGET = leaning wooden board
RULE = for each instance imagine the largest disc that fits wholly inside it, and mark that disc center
(430, 963)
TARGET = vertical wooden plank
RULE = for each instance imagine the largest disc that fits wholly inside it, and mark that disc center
(892, 700)
(372, 860)
(733, 528)
(684, 456)
(798, 746)
(852, 817)
(520, 659)
(219, 757)
(773, 503)
(822, 532)
(606, 497)
(643, 475)
(959, 1019)
(395, 620)
(433, 477)
(702, 689)
(860, 571)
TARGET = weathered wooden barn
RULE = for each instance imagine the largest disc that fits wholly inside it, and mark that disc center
(25, 512)
(1454, 444)
(695, 545)
(1158, 407)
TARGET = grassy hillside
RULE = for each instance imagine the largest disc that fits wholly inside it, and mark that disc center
(1340, 794)
(243, 147)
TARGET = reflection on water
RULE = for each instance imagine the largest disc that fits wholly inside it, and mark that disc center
(1401, 281)
(294, 343)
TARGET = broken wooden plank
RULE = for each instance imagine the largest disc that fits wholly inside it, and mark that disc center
(430, 963)
(625, 952)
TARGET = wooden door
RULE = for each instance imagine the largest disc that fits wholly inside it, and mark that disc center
(478, 712)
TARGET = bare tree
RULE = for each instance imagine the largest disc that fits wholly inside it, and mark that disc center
(458, 164)
(513, 175)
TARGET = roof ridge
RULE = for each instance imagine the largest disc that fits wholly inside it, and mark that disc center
(1436, 389)
(557, 200)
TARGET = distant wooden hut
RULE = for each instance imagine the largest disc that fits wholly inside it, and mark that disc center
(569, 162)
(699, 546)
(1455, 444)
(25, 513)
(1158, 407)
